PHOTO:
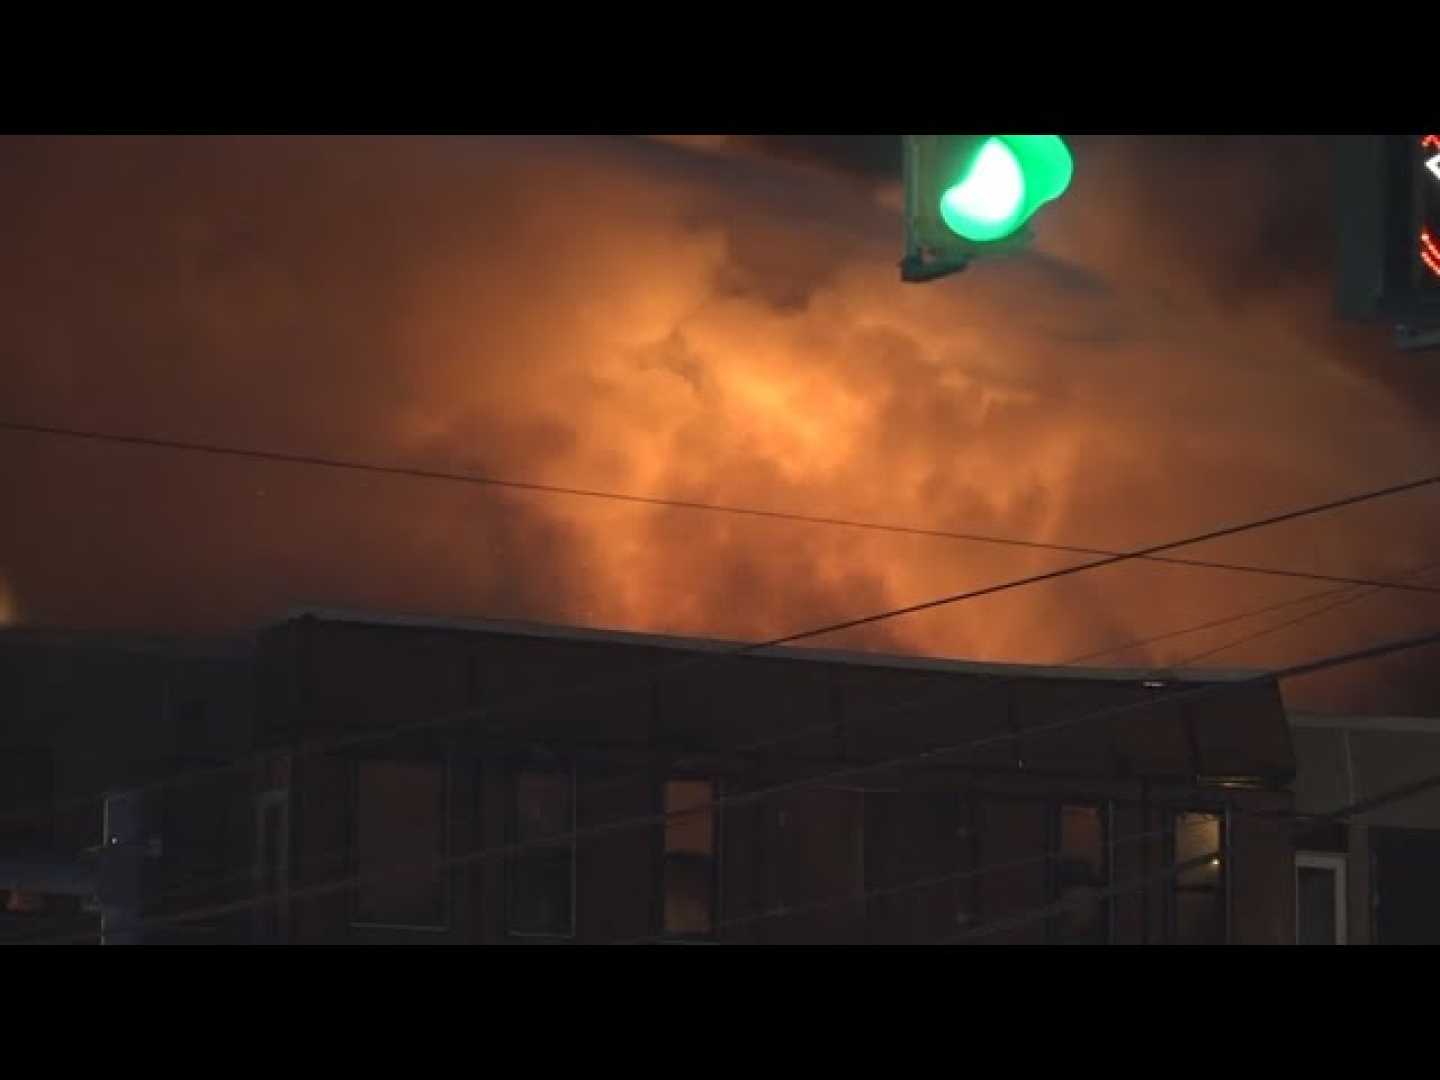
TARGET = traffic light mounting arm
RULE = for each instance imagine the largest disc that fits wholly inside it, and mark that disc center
(921, 262)
(917, 268)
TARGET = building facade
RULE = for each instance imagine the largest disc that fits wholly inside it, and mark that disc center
(1371, 873)
(448, 782)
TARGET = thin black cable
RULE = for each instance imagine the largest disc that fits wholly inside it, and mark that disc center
(1287, 624)
(683, 504)
(960, 699)
(819, 905)
(888, 890)
(753, 647)
(1051, 575)
(1374, 802)
(1109, 559)
(370, 737)
(1267, 631)
(1212, 624)
(1213, 534)
(1059, 907)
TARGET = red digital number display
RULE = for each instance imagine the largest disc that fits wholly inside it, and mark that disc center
(1428, 207)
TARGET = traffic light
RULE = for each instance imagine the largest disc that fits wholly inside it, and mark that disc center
(1387, 215)
(1427, 206)
(969, 194)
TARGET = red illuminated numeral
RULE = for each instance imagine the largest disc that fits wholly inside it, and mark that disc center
(1429, 252)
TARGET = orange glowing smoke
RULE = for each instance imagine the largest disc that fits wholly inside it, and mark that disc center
(668, 321)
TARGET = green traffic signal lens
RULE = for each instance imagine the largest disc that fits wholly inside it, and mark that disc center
(1004, 182)
(987, 203)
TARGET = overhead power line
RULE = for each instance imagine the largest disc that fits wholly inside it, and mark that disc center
(1353, 597)
(535, 487)
(1059, 907)
(968, 874)
(1051, 575)
(1209, 624)
(602, 686)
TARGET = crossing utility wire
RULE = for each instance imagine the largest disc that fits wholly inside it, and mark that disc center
(1059, 907)
(535, 487)
(1354, 597)
(625, 682)
(788, 639)
(969, 874)
(1346, 591)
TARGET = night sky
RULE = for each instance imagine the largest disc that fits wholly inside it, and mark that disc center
(704, 318)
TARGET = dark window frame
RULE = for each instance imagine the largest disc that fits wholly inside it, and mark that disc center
(270, 921)
(968, 894)
(713, 935)
(446, 876)
(1337, 863)
(1105, 809)
(1173, 885)
(569, 770)
(985, 819)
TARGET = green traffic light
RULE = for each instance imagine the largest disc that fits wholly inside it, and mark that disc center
(1003, 183)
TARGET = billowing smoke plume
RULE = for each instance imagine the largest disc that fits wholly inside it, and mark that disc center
(710, 320)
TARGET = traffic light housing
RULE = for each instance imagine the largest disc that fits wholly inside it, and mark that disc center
(1387, 215)
(966, 195)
